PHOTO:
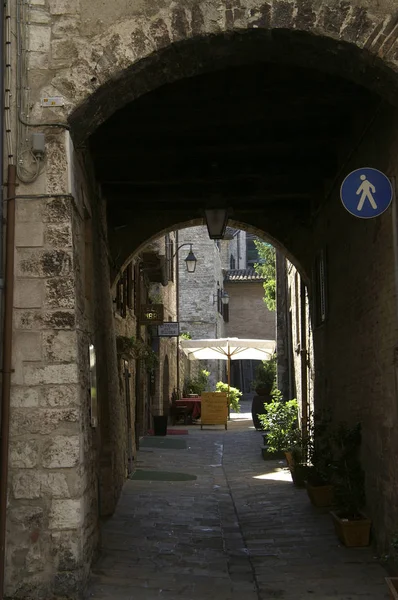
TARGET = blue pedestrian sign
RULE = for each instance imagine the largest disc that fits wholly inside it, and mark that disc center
(366, 193)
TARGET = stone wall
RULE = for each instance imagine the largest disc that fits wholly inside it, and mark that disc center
(198, 295)
(355, 347)
(249, 317)
(52, 528)
(300, 345)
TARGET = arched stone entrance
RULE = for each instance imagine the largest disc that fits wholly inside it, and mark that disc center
(129, 63)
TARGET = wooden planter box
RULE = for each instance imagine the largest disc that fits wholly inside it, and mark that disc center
(353, 534)
(320, 495)
(392, 584)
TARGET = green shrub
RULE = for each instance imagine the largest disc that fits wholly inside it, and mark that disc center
(234, 395)
(266, 375)
(197, 384)
(281, 423)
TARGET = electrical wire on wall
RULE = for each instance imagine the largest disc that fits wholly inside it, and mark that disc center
(7, 84)
(29, 164)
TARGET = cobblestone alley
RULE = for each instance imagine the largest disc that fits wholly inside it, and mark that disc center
(240, 531)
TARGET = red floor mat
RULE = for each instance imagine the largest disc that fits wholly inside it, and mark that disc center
(172, 432)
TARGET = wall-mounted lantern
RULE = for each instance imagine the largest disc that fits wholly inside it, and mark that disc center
(190, 260)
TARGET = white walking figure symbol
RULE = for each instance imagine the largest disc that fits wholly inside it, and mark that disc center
(367, 189)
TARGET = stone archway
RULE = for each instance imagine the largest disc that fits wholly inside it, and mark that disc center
(139, 54)
(99, 69)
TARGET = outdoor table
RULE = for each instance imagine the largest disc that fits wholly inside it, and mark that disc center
(193, 404)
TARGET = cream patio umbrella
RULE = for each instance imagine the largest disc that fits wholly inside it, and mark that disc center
(228, 349)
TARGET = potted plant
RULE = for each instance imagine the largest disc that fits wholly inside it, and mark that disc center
(131, 347)
(196, 385)
(297, 463)
(351, 525)
(280, 422)
(319, 488)
(234, 395)
(263, 385)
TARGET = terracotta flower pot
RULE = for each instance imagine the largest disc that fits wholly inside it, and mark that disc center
(299, 474)
(289, 459)
(392, 584)
(353, 534)
(320, 495)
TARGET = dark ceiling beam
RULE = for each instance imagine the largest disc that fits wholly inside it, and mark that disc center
(307, 148)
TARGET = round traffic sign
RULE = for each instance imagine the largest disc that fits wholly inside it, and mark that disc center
(366, 193)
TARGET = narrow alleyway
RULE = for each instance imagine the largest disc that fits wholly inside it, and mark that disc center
(240, 531)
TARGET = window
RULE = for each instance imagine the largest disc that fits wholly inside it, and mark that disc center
(226, 312)
(251, 250)
(232, 262)
(169, 245)
(124, 291)
(129, 286)
(320, 291)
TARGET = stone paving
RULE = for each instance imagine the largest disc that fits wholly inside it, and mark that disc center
(241, 531)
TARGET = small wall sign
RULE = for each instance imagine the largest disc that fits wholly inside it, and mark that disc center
(169, 329)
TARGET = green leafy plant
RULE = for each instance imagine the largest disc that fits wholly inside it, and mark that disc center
(198, 384)
(281, 423)
(320, 448)
(185, 335)
(347, 474)
(266, 376)
(234, 395)
(131, 347)
(266, 268)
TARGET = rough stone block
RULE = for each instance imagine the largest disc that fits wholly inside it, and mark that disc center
(39, 16)
(60, 293)
(29, 236)
(66, 514)
(28, 293)
(64, 7)
(64, 373)
(38, 60)
(65, 26)
(29, 211)
(61, 451)
(24, 397)
(60, 346)
(33, 420)
(63, 52)
(40, 37)
(27, 345)
(43, 263)
(58, 210)
(28, 517)
(24, 454)
(66, 547)
(58, 235)
(60, 396)
(30, 485)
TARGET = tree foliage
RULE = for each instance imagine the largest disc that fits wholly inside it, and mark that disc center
(266, 268)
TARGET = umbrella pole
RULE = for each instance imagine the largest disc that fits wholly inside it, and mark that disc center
(229, 384)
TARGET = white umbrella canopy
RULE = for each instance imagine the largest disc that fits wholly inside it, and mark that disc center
(228, 349)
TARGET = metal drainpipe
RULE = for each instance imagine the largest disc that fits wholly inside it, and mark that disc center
(177, 314)
(7, 357)
(304, 365)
